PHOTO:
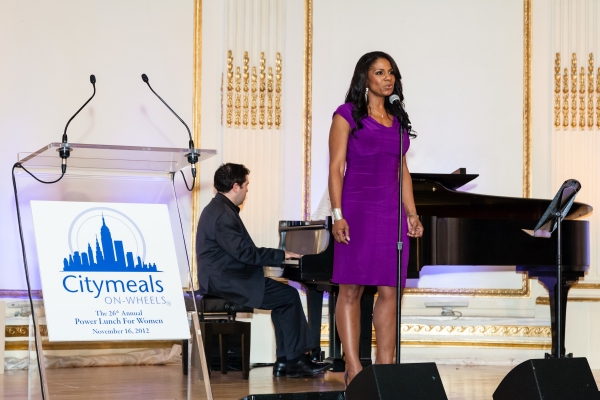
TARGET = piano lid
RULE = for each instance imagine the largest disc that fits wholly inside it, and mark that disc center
(451, 181)
(434, 198)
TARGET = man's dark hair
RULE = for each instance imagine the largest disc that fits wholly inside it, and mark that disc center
(229, 174)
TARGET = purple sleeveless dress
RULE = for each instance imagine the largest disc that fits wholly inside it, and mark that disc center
(370, 206)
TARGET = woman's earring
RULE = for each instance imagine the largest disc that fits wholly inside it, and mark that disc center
(366, 93)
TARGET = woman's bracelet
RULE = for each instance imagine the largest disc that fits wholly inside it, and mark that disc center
(412, 215)
(337, 214)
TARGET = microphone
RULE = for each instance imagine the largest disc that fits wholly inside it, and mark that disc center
(401, 113)
(192, 156)
(64, 151)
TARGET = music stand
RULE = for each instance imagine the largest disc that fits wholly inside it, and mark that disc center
(550, 221)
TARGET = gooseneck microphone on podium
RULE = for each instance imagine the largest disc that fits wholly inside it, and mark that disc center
(64, 151)
(192, 156)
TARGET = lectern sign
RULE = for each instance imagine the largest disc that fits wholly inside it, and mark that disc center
(109, 271)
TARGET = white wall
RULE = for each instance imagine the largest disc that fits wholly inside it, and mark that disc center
(49, 49)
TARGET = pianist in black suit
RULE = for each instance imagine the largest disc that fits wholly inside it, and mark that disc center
(230, 266)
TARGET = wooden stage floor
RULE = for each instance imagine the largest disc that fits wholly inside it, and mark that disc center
(167, 382)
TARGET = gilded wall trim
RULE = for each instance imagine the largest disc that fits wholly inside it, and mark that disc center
(480, 330)
(579, 285)
(22, 331)
(544, 300)
(307, 109)
(524, 291)
(504, 331)
(20, 345)
(196, 126)
(527, 98)
(525, 345)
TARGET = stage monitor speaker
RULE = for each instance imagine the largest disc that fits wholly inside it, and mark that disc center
(418, 381)
(549, 379)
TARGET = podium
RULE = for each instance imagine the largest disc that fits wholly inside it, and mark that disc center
(105, 174)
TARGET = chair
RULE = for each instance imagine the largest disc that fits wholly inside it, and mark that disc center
(217, 317)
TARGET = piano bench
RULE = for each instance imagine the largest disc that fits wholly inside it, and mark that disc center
(217, 318)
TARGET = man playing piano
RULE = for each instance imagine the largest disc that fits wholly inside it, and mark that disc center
(230, 266)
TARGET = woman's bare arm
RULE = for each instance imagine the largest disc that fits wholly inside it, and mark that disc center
(415, 228)
(338, 143)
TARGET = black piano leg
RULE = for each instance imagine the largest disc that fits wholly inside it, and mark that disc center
(314, 305)
(366, 325)
(550, 283)
(335, 345)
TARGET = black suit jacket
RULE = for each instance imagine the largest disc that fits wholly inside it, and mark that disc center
(229, 264)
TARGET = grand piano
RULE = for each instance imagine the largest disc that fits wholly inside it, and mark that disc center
(461, 228)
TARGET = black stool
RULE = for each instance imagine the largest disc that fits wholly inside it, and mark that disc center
(217, 317)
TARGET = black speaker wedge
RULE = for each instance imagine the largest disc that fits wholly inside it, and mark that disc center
(411, 381)
(549, 379)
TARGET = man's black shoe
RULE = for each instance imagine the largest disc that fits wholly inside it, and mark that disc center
(279, 368)
(305, 367)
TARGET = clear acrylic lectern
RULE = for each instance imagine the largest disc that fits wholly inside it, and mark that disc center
(116, 174)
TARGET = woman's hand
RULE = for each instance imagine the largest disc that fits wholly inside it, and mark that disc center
(415, 228)
(341, 231)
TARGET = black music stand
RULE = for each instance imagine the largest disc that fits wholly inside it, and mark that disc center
(552, 219)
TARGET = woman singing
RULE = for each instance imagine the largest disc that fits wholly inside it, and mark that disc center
(363, 185)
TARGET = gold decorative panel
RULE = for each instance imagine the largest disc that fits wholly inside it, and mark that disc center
(575, 36)
(253, 99)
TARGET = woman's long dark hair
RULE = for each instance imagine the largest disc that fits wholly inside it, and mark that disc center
(358, 85)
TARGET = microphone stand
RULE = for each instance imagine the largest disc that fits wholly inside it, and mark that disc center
(400, 244)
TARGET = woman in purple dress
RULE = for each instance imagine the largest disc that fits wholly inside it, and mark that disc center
(363, 185)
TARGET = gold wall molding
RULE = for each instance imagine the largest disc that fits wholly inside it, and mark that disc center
(524, 345)
(557, 81)
(590, 114)
(479, 330)
(505, 331)
(545, 300)
(22, 331)
(523, 292)
(598, 99)
(579, 285)
(12, 331)
(21, 345)
(527, 98)
(307, 109)
(197, 128)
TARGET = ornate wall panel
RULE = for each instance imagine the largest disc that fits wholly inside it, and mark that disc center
(576, 106)
(252, 108)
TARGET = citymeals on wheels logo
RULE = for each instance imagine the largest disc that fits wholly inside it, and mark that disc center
(109, 271)
(108, 255)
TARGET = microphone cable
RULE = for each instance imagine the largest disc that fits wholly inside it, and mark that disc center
(26, 266)
(64, 152)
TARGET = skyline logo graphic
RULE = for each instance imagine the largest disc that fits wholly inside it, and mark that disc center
(110, 254)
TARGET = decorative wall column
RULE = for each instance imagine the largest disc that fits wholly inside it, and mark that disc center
(252, 108)
(576, 108)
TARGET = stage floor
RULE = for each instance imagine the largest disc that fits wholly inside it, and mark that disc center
(167, 382)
